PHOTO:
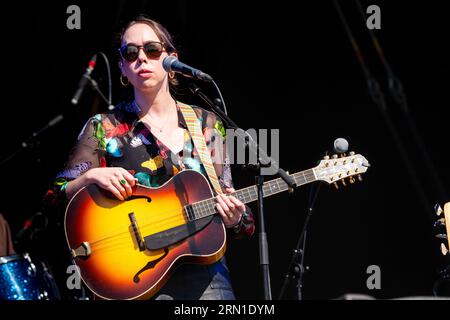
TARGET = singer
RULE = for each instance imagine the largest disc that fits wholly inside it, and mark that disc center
(145, 141)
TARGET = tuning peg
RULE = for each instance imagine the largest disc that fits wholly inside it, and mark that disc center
(438, 210)
(444, 249)
(360, 178)
(352, 181)
(351, 153)
(335, 156)
(326, 158)
(343, 182)
(336, 185)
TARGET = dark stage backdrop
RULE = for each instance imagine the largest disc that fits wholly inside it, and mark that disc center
(279, 66)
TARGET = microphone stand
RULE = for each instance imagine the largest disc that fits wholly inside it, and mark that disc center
(296, 267)
(263, 161)
(29, 143)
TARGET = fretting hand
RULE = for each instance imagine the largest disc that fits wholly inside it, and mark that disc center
(230, 208)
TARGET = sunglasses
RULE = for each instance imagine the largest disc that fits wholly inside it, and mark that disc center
(152, 49)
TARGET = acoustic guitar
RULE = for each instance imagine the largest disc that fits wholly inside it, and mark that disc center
(128, 249)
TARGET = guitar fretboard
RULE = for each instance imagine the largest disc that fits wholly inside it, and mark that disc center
(206, 207)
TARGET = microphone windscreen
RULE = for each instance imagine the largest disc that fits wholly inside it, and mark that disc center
(340, 145)
(167, 63)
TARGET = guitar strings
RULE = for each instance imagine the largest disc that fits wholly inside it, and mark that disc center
(124, 234)
(145, 226)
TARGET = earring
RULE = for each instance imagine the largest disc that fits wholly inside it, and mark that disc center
(124, 83)
(172, 75)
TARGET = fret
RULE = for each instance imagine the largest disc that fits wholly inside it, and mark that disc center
(196, 210)
(211, 207)
(201, 210)
(206, 207)
(189, 213)
(249, 195)
(205, 211)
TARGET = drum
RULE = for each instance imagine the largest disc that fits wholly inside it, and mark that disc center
(21, 279)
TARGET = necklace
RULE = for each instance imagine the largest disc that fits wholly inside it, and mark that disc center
(160, 128)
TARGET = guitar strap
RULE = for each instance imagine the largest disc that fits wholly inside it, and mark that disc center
(195, 129)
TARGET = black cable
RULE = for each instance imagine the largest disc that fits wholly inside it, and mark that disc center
(108, 70)
(221, 98)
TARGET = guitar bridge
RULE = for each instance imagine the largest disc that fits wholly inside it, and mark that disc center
(136, 232)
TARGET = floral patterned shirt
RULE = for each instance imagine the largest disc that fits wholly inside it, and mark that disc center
(120, 139)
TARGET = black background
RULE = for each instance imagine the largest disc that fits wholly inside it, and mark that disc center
(279, 66)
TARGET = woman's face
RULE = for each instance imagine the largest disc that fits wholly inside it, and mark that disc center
(145, 73)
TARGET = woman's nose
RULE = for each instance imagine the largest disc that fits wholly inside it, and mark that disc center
(141, 55)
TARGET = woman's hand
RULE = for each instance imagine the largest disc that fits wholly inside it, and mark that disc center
(229, 208)
(116, 180)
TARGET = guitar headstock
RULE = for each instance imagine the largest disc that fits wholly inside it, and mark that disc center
(341, 167)
(442, 226)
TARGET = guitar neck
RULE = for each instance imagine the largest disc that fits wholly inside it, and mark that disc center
(206, 208)
(275, 186)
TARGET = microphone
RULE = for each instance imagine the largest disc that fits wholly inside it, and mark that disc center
(171, 63)
(341, 145)
(84, 79)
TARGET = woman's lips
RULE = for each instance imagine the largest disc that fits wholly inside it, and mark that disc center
(145, 73)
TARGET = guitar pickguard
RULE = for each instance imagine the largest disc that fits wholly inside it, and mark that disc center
(171, 236)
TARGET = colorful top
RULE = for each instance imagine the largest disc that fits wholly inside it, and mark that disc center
(120, 139)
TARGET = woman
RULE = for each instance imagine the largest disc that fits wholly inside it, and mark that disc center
(146, 141)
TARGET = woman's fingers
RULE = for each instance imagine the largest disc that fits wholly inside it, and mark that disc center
(237, 203)
(229, 190)
(230, 209)
(234, 202)
(229, 203)
(126, 185)
(126, 181)
(115, 192)
(128, 177)
(119, 187)
(224, 206)
(115, 179)
(222, 213)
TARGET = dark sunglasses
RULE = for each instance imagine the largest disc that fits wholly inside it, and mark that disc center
(152, 49)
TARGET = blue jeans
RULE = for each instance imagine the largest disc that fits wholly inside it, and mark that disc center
(198, 282)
